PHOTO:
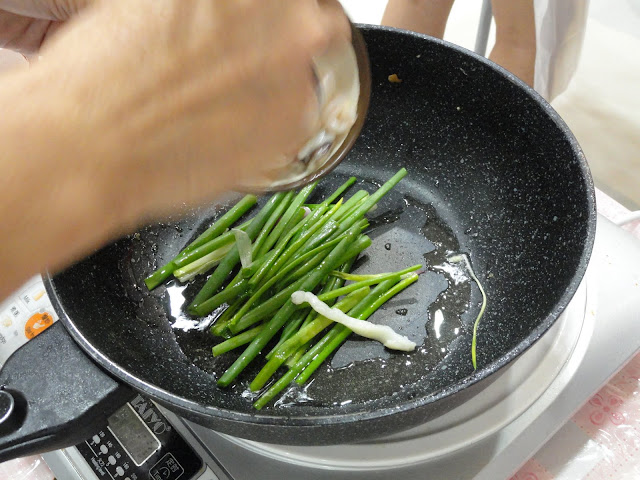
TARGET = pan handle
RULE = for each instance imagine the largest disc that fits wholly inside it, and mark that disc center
(53, 396)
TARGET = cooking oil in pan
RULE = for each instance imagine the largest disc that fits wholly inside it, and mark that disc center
(405, 231)
(430, 313)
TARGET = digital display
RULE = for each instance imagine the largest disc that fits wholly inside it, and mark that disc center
(134, 436)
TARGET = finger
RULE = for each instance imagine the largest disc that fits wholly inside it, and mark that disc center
(335, 19)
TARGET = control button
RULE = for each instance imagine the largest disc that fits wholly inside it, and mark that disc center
(111, 460)
(96, 439)
(120, 470)
(167, 468)
(104, 449)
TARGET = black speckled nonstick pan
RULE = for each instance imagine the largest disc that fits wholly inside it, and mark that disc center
(493, 173)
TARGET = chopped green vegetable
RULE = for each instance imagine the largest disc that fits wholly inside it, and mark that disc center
(243, 242)
(287, 246)
(305, 334)
(227, 264)
(219, 226)
(341, 189)
(273, 325)
(201, 265)
(465, 259)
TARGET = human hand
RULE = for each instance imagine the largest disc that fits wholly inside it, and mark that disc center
(197, 91)
(136, 108)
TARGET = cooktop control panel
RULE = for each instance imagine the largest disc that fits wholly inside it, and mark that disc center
(139, 443)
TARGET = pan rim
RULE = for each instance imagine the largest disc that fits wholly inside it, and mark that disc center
(258, 419)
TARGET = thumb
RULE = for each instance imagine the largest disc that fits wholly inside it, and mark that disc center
(59, 10)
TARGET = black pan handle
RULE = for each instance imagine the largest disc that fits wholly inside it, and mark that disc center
(53, 396)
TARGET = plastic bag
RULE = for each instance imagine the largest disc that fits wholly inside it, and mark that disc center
(601, 442)
(27, 468)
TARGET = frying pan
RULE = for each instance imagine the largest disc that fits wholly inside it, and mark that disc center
(493, 173)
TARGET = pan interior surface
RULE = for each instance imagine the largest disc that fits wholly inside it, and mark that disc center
(493, 173)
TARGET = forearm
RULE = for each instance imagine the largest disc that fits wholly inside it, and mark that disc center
(53, 209)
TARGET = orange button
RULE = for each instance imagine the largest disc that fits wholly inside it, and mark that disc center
(37, 324)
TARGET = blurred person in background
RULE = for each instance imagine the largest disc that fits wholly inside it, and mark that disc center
(515, 46)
